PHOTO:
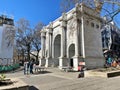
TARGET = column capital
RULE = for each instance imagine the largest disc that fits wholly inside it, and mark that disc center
(63, 17)
(63, 24)
(43, 34)
(77, 18)
(50, 28)
(63, 20)
(76, 9)
(50, 31)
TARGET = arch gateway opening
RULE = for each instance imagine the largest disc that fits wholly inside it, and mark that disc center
(71, 55)
(57, 50)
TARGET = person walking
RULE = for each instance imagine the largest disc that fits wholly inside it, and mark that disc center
(31, 67)
(109, 61)
(82, 69)
(26, 67)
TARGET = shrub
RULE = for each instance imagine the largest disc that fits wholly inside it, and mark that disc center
(2, 77)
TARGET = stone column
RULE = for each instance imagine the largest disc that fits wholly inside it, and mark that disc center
(62, 42)
(82, 32)
(77, 36)
(82, 38)
(77, 29)
(43, 44)
(42, 59)
(76, 57)
(52, 48)
(49, 48)
(50, 43)
(62, 58)
(62, 48)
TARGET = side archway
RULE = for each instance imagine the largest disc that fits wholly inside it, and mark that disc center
(57, 49)
(71, 53)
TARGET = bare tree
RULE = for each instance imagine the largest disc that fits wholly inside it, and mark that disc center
(28, 39)
(108, 8)
(36, 42)
(20, 49)
(24, 35)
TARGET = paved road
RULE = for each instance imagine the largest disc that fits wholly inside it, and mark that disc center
(55, 79)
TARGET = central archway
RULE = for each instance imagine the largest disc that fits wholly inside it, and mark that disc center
(71, 54)
(57, 49)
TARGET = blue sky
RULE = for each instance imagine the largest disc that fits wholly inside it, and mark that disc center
(32, 10)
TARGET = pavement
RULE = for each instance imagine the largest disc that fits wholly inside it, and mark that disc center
(55, 79)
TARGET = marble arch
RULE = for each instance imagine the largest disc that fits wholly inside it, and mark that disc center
(73, 36)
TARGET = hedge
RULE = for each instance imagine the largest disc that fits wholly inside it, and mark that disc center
(9, 67)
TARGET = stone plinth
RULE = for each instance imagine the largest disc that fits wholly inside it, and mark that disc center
(17, 85)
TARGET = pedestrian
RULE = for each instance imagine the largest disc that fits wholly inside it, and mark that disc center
(109, 61)
(31, 67)
(81, 74)
(26, 67)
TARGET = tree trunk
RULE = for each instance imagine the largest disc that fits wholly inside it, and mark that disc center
(37, 56)
(28, 52)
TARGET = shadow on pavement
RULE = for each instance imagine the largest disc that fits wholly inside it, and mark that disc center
(33, 88)
(42, 72)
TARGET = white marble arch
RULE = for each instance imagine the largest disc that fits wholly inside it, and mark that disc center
(75, 35)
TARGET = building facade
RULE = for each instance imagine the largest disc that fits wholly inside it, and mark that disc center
(6, 40)
(72, 38)
(111, 39)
